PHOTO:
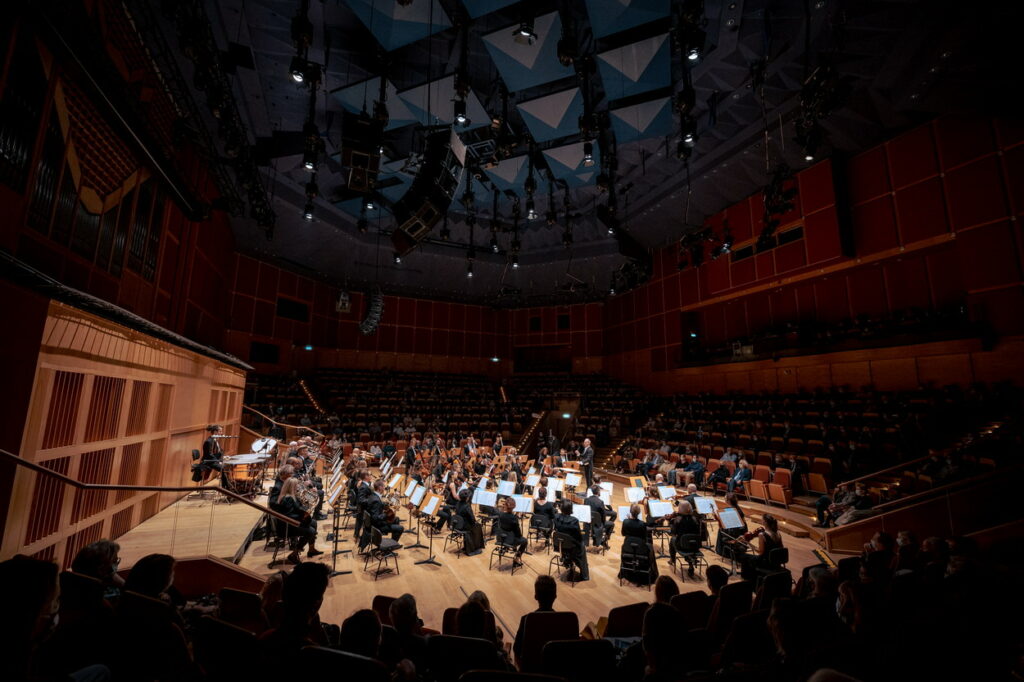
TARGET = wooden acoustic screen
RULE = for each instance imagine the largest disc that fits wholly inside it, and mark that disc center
(110, 405)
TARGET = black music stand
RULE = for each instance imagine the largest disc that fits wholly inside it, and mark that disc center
(430, 550)
(417, 544)
(335, 537)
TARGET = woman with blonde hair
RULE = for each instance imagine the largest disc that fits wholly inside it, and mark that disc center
(289, 505)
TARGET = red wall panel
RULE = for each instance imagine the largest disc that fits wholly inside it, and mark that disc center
(907, 283)
(816, 190)
(912, 157)
(867, 291)
(921, 211)
(874, 226)
(963, 138)
(868, 174)
(821, 234)
(988, 256)
(975, 193)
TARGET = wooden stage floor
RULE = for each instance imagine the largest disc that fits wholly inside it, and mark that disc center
(438, 587)
(192, 527)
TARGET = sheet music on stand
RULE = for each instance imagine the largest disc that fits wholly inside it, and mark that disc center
(395, 480)
(556, 484)
(705, 505)
(417, 495)
(524, 504)
(409, 488)
(581, 512)
(730, 518)
(607, 486)
(666, 492)
(445, 477)
(482, 483)
(573, 479)
(531, 471)
(430, 506)
(624, 513)
(486, 498)
(384, 467)
(506, 488)
(533, 480)
(606, 497)
(635, 494)
(335, 493)
(659, 509)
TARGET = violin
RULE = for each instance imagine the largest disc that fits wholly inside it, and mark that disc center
(747, 537)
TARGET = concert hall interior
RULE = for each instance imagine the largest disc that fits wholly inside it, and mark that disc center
(511, 340)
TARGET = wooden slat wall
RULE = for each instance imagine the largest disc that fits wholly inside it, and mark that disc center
(110, 406)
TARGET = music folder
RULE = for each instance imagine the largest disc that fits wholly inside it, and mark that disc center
(486, 498)
(524, 503)
(635, 494)
(659, 509)
(705, 505)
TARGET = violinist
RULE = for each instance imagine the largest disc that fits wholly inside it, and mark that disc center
(381, 515)
(509, 525)
(451, 499)
(767, 539)
(633, 526)
(683, 522)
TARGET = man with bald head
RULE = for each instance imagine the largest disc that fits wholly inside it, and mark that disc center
(587, 462)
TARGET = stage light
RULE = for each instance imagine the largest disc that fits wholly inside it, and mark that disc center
(566, 415)
(469, 269)
(309, 160)
(398, 258)
(368, 204)
(460, 113)
(298, 69)
(309, 347)
(307, 212)
(515, 262)
(611, 291)
(693, 335)
(531, 210)
(611, 229)
(494, 244)
(588, 154)
(693, 54)
(524, 35)
(495, 359)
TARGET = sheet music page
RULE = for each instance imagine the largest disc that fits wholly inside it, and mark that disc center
(431, 505)
(608, 485)
(606, 497)
(624, 513)
(659, 509)
(581, 512)
(533, 480)
(524, 503)
(417, 495)
(487, 498)
(556, 484)
(445, 477)
(730, 518)
(705, 505)
(482, 483)
(573, 479)
(635, 494)
(506, 487)
(666, 492)
(395, 480)
(409, 488)
(531, 471)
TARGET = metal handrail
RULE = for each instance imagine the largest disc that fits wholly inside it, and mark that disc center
(282, 424)
(20, 461)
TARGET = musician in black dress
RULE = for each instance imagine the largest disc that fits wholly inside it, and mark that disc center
(451, 501)
(509, 525)
(683, 522)
(634, 527)
(213, 454)
(474, 541)
(543, 512)
(567, 524)
(289, 505)
(768, 538)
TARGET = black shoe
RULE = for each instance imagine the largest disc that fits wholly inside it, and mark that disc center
(293, 558)
(313, 552)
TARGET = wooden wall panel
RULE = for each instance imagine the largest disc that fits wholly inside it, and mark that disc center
(898, 374)
(115, 436)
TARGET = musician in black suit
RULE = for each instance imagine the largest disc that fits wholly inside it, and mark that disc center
(567, 524)
(633, 527)
(587, 462)
(213, 454)
(600, 530)
(379, 516)
(508, 524)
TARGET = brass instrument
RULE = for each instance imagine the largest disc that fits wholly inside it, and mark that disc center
(308, 498)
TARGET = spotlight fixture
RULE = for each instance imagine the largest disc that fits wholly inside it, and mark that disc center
(524, 35)
(611, 291)
(469, 270)
(460, 113)
(398, 258)
(531, 210)
(611, 229)
(515, 262)
(307, 212)
(298, 69)
(494, 244)
(588, 154)
(368, 204)
(309, 160)
(693, 53)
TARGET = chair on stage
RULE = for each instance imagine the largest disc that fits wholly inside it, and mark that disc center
(637, 563)
(382, 550)
(457, 533)
(503, 548)
(540, 529)
(322, 663)
(688, 549)
(566, 549)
